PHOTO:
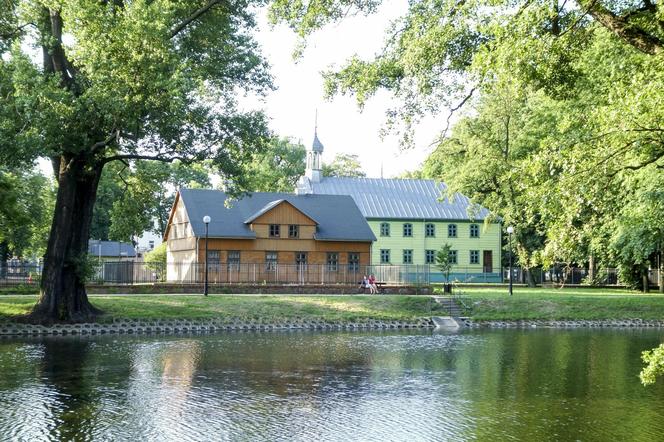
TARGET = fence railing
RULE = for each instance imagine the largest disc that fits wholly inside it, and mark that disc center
(130, 272)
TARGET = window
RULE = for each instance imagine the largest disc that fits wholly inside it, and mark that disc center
(353, 262)
(332, 262)
(430, 256)
(233, 260)
(407, 229)
(151, 245)
(274, 230)
(452, 257)
(384, 229)
(213, 258)
(452, 230)
(384, 256)
(293, 231)
(474, 256)
(407, 256)
(301, 258)
(430, 230)
(270, 261)
(474, 231)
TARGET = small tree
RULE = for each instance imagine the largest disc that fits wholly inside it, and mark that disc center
(156, 260)
(443, 261)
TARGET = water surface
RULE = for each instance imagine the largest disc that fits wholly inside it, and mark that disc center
(337, 386)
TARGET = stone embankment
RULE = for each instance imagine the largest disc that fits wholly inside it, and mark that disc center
(601, 323)
(203, 326)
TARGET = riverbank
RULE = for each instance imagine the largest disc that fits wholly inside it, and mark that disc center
(576, 304)
(492, 305)
(250, 307)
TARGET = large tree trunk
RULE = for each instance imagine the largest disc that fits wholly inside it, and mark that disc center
(63, 296)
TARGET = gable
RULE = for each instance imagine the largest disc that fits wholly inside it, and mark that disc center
(178, 221)
(284, 213)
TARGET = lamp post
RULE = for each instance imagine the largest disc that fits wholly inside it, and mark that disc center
(510, 230)
(206, 220)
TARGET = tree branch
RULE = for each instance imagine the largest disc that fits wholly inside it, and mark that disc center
(456, 108)
(621, 26)
(640, 165)
(115, 134)
(200, 11)
(163, 159)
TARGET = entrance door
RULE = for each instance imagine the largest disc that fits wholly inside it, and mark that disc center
(301, 263)
(488, 261)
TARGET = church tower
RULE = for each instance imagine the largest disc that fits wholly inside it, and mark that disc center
(314, 170)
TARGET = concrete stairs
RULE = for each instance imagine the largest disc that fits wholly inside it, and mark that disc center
(448, 306)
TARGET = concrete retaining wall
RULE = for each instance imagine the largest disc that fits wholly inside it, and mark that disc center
(604, 323)
(203, 326)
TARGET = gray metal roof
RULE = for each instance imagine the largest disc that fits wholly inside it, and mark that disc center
(401, 198)
(316, 146)
(338, 217)
(110, 248)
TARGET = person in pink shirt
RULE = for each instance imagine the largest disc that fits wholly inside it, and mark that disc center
(373, 289)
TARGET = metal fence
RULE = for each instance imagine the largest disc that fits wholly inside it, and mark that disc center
(13, 274)
(258, 273)
(130, 272)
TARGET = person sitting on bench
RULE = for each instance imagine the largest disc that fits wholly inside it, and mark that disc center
(373, 288)
(365, 284)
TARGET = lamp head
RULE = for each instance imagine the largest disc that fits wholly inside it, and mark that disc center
(510, 229)
(207, 219)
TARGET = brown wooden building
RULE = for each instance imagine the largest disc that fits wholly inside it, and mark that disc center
(267, 237)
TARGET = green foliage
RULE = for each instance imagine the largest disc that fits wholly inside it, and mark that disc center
(654, 368)
(156, 261)
(26, 201)
(131, 80)
(157, 255)
(443, 261)
(278, 168)
(344, 165)
(560, 132)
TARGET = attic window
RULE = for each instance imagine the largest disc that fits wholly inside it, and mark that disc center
(274, 230)
(293, 231)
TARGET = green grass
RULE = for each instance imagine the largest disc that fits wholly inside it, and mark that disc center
(344, 308)
(486, 304)
(570, 303)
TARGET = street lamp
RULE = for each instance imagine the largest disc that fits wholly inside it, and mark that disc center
(206, 220)
(510, 230)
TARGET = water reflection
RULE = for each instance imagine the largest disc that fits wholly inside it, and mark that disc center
(500, 384)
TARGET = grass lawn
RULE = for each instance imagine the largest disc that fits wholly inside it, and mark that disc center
(348, 308)
(485, 303)
(569, 303)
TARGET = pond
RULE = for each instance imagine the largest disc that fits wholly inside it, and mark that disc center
(388, 386)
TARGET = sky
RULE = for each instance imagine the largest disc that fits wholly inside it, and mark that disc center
(342, 126)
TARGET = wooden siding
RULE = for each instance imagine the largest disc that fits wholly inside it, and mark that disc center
(253, 251)
(284, 213)
(263, 231)
(489, 239)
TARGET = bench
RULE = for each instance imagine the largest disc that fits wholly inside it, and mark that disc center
(379, 287)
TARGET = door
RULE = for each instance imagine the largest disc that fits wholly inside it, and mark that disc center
(301, 263)
(488, 261)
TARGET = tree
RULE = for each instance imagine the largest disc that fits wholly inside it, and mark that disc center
(121, 81)
(26, 201)
(148, 193)
(654, 368)
(278, 168)
(156, 261)
(551, 129)
(344, 165)
(444, 261)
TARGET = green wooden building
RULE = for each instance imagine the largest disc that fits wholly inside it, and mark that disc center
(412, 219)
